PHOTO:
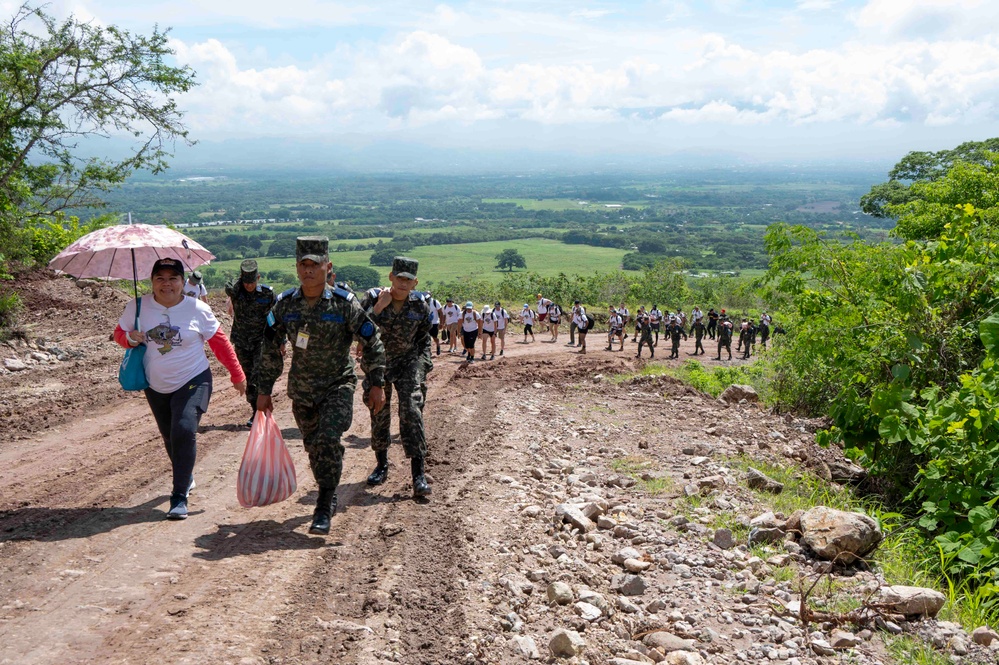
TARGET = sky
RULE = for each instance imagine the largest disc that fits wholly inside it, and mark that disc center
(766, 79)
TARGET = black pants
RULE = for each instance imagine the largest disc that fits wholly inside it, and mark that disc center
(177, 416)
(469, 338)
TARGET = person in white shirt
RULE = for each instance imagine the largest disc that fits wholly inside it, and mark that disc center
(655, 321)
(544, 305)
(435, 319)
(452, 323)
(528, 317)
(502, 318)
(554, 319)
(194, 288)
(639, 315)
(471, 326)
(582, 324)
(615, 325)
(488, 331)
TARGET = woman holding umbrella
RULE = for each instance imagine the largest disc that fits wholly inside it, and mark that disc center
(174, 329)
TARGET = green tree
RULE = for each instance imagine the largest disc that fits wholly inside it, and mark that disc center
(509, 259)
(359, 277)
(923, 167)
(63, 83)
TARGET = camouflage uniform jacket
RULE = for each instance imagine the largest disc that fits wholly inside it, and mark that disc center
(326, 362)
(249, 313)
(405, 334)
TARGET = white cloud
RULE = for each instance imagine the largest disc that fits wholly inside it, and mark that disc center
(929, 19)
(422, 78)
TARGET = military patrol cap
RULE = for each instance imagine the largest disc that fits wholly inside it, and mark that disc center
(312, 248)
(405, 267)
(248, 270)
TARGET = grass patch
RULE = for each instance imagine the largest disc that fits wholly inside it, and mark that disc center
(801, 490)
(909, 650)
(635, 467)
(711, 380)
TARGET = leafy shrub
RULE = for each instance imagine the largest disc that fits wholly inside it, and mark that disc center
(10, 305)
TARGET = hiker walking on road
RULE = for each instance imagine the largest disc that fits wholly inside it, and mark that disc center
(644, 323)
(488, 332)
(698, 331)
(471, 328)
(403, 318)
(713, 322)
(528, 317)
(194, 288)
(435, 319)
(249, 303)
(502, 320)
(174, 329)
(321, 324)
(655, 322)
(452, 323)
(615, 324)
(554, 319)
(724, 335)
(583, 322)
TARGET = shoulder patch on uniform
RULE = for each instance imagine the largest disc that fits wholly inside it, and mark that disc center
(343, 293)
(270, 318)
(367, 330)
(287, 293)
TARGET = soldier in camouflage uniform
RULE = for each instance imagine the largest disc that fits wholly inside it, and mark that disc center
(643, 324)
(249, 303)
(321, 324)
(403, 317)
(698, 330)
(724, 335)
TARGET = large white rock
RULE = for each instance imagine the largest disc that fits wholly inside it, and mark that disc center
(911, 600)
(737, 392)
(837, 535)
(566, 644)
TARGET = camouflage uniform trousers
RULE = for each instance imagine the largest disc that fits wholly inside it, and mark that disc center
(645, 338)
(726, 344)
(412, 397)
(322, 425)
(249, 359)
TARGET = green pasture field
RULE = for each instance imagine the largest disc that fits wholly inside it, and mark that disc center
(473, 260)
(565, 204)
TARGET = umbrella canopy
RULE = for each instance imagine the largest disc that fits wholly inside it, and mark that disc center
(128, 251)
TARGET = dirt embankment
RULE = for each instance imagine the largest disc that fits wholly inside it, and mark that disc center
(91, 573)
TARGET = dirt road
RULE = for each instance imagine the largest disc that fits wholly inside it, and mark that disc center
(91, 573)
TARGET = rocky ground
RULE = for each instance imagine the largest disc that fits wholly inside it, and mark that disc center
(576, 517)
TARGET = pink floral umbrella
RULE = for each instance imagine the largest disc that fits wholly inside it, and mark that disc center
(127, 251)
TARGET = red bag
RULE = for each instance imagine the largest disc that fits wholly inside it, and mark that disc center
(267, 473)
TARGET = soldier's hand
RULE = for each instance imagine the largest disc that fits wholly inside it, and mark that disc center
(376, 398)
(264, 403)
(240, 387)
(384, 300)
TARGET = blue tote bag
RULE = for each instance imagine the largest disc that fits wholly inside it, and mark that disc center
(131, 373)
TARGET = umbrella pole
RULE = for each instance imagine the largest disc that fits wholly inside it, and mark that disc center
(135, 277)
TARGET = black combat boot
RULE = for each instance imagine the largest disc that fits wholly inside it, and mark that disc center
(325, 508)
(421, 487)
(380, 473)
